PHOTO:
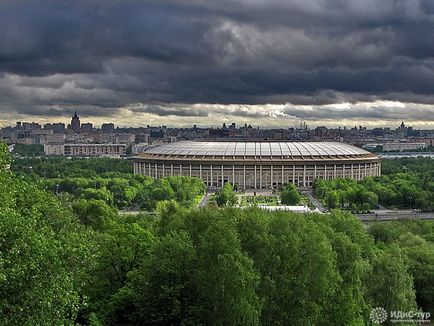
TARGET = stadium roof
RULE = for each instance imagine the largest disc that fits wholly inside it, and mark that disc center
(257, 149)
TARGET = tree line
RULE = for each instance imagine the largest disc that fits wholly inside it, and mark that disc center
(406, 183)
(108, 181)
(61, 167)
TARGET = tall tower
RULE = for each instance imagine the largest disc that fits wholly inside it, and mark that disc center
(75, 123)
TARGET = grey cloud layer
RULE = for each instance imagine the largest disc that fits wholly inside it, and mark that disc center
(100, 56)
(378, 110)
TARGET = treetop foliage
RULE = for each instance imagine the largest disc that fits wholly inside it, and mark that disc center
(407, 164)
(28, 150)
(61, 167)
(405, 183)
(226, 196)
(402, 190)
(67, 261)
(109, 180)
(289, 195)
(5, 158)
(45, 254)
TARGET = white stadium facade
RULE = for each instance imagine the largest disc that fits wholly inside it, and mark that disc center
(257, 165)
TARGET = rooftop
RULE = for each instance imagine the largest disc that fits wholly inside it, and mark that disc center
(263, 148)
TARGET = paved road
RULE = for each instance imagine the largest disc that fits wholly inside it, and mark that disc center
(130, 212)
(313, 200)
(204, 200)
(367, 218)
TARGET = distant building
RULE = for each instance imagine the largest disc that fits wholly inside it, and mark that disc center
(320, 132)
(108, 127)
(85, 150)
(387, 147)
(429, 141)
(118, 138)
(86, 127)
(75, 123)
(139, 148)
(142, 138)
(31, 126)
(125, 138)
(219, 133)
(54, 139)
(25, 141)
(58, 127)
(160, 133)
(54, 149)
(394, 147)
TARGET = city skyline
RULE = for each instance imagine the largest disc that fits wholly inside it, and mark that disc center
(178, 63)
(239, 121)
(69, 122)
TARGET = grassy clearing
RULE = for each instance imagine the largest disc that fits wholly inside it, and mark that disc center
(258, 200)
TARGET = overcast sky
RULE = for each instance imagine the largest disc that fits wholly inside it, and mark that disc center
(183, 62)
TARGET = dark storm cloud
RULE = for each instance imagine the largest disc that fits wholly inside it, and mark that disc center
(55, 112)
(199, 110)
(100, 56)
(162, 110)
(361, 111)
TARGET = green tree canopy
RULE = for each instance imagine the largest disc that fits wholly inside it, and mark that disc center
(44, 256)
(290, 195)
(226, 196)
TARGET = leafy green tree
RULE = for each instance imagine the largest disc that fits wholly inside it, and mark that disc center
(121, 248)
(94, 213)
(414, 240)
(299, 276)
(179, 265)
(290, 195)
(162, 289)
(44, 257)
(344, 303)
(5, 158)
(98, 194)
(354, 250)
(332, 199)
(391, 285)
(226, 278)
(226, 196)
(411, 188)
(420, 255)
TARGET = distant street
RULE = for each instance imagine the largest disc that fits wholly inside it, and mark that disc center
(313, 200)
(393, 216)
(204, 200)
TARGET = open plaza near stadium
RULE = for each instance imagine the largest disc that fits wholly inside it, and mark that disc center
(258, 165)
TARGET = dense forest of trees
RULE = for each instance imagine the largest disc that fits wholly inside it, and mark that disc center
(61, 167)
(410, 164)
(24, 150)
(70, 259)
(405, 183)
(107, 180)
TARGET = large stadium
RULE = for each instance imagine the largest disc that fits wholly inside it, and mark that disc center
(258, 165)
